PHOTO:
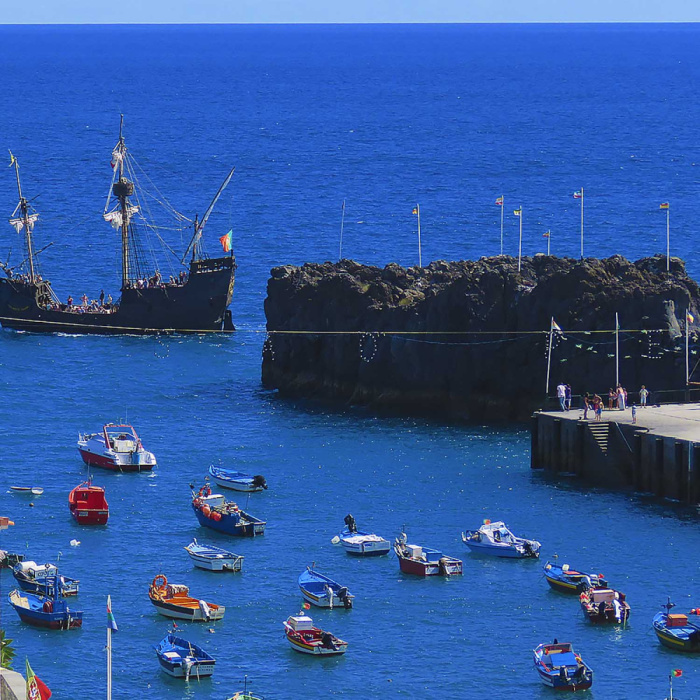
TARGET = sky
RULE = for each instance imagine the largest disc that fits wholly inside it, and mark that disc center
(343, 11)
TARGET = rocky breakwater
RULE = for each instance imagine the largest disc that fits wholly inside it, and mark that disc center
(471, 338)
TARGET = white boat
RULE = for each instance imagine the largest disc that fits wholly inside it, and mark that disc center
(213, 558)
(496, 540)
(117, 447)
(307, 639)
(237, 481)
(360, 543)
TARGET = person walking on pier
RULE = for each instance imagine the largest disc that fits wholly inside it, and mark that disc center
(634, 413)
(643, 396)
(561, 395)
(568, 397)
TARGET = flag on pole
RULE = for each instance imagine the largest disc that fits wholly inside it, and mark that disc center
(555, 325)
(676, 673)
(689, 317)
(13, 160)
(546, 234)
(499, 202)
(227, 241)
(36, 688)
(518, 212)
(415, 210)
(307, 606)
(664, 205)
(111, 622)
(578, 195)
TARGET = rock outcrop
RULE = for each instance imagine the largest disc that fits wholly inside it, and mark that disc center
(471, 338)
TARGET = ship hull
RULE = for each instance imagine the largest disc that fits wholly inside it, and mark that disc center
(198, 306)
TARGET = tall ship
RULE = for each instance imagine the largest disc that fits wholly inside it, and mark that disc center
(193, 298)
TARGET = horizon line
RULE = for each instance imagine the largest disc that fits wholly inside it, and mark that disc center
(334, 24)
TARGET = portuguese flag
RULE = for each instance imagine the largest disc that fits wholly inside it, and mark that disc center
(36, 688)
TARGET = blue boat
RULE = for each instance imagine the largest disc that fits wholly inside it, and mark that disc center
(237, 481)
(182, 659)
(561, 668)
(678, 631)
(324, 592)
(51, 612)
(213, 558)
(496, 540)
(214, 512)
(33, 577)
(360, 543)
(567, 580)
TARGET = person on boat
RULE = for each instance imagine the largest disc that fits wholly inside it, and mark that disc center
(496, 536)
(350, 522)
(602, 609)
(70, 301)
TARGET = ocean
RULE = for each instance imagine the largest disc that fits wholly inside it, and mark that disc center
(383, 117)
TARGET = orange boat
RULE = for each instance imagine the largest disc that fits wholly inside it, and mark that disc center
(88, 504)
(173, 600)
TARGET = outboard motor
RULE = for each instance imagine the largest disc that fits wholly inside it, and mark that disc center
(343, 595)
(327, 641)
(259, 481)
(442, 565)
(350, 522)
(529, 552)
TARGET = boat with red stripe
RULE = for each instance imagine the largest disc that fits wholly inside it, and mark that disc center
(117, 447)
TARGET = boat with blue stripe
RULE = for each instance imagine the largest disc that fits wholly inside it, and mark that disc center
(360, 543)
(567, 580)
(181, 658)
(561, 668)
(50, 611)
(496, 540)
(213, 558)
(237, 481)
(324, 592)
(215, 512)
(678, 631)
(37, 578)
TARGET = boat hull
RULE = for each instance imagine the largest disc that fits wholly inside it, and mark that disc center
(685, 639)
(90, 517)
(93, 459)
(179, 612)
(229, 525)
(430, 568)
(200, 669)
(231, 564)
(364, 548)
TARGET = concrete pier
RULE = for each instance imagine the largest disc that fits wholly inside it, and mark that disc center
(658, 454)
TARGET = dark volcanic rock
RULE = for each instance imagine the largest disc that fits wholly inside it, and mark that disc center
(471, 337)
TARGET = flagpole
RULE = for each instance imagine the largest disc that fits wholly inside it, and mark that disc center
(668, 239)
(549, 354)
(420, 259)
(582, 223)
(617, 350)
(549, 238)
(342, 222)
(109, 652)
(520, 240)
(503, 206)
(687, 361)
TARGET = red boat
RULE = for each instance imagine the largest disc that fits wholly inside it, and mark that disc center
(423, 561)
(88, 504)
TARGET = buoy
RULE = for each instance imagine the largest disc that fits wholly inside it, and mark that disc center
(206, 510)
(74, 543)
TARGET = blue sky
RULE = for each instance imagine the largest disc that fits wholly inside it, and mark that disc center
(293, 11)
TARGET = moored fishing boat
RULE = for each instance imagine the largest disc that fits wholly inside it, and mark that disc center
(496, 540)
(237, 481)
(36, 578)
(215, 512)
(245, 694)
(88, 504)
(322, 591)
(181, 658)
(567, 580)
(603, 605)
(307, 639)
(424, 561)
(678, 631)
(50, 611)
(360, 543)
(561, 668)
(213, 558)
(173, 600)
(8, 560)
(195, 298)
(117, 448)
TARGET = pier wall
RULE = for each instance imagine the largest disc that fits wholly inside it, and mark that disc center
(616, 454)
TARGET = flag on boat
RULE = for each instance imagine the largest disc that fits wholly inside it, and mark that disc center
(689, 317)
(546, 234)
(415, 210)
(518, 212)
(578, 195)
(13, 160)
(226, 241)
(36, 688)
(555, 325)
(676, 673)
(111, 622)
(664, 205)
(499, 202)
(307, 606)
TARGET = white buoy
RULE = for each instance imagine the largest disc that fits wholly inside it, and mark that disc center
(74, 543)
(335, 540)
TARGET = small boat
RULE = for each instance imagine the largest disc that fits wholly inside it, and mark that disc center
(423, 561)
(561, 668)
(8, 560)
(601, 605)
(322, 591)
(88, 505)
(213, 558)
(36, 578)
(173, 600)
(214, 512)
(677, 631)
(180, 658)
(307, 639)
(50, 611)
(496, 540)
(566, 580)
(117, 447)
(360, 543)
(237, 481)
(33, 490)
(245, 694)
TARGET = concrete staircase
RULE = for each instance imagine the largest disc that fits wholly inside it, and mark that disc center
(600, 432)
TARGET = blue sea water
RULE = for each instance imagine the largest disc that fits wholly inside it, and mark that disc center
(383, 117)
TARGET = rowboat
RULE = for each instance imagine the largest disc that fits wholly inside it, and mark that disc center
(245, 694)
(496, 540)
(173, 600)
(567, 580)
(116, 447)
(677, 631)
(601, 605)
(214, 512)
(322, 591)
(237, 481)
(8, 560)
(180, 658)
(213, 558)
(561, 668)
(88, 504)
(360, 543)
(36, 578)
(307, 639)
(50, 611)
(29, 490)
(424, 561)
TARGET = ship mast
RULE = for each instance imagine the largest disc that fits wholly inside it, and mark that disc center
(24, 220)
(122, 189)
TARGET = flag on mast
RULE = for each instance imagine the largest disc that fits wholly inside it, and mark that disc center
(578, 195)
(664, 205)
(555, 325)
(415, 210)
(546, 234)
(499, 201)
(689, 317)
(111, 622)
(227, 241)
(677, 673)
(518, 212)
(36, 688)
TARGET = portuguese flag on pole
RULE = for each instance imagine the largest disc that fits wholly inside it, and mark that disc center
(36, 688)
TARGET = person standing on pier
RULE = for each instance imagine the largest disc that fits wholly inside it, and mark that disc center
(568, 397)
(620, 397)
(611, 398)
(561, 395)
(634, 413)
(643, 396)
